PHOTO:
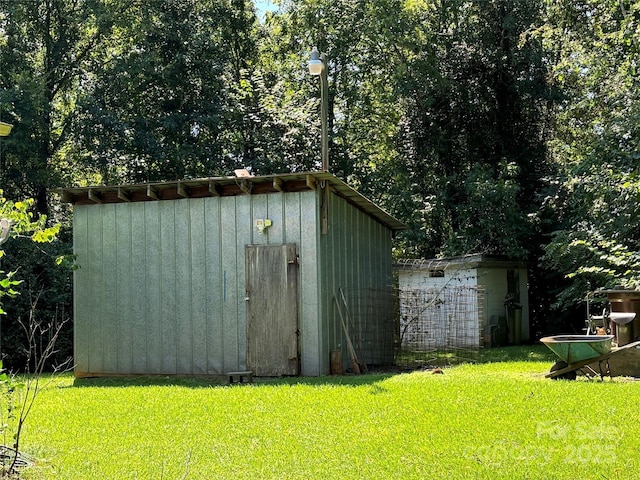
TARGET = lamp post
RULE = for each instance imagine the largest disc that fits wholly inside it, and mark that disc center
(318, 66)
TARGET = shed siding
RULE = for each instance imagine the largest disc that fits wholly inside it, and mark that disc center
(168, 279)
(124, 328)
(138, 278)
(150, 255)
(492, 280)
(229, 305)
(245, 235)
(214, 286)
(81, 330)
(306, 228)
(161, 284)
(198, 298)
(355, 256)
(109, 290)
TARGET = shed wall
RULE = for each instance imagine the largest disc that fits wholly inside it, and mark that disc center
(495, 280)
(355, 256)
(492, 280)
(160, 288)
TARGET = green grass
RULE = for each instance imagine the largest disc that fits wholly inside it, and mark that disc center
(497, 420)
(449, 357)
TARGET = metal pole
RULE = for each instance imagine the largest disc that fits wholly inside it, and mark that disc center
(324, 112)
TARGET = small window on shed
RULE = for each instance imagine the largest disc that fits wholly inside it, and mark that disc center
(436, 273)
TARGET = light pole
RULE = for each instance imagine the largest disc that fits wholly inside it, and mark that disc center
(318, 66)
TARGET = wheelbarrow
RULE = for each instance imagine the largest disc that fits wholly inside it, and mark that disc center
(579, 352)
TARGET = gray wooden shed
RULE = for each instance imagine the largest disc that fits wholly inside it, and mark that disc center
(206, 276)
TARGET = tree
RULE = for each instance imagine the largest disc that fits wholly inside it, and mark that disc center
(594, 196)
(20, 225)
(363, 109)
(438, 111)
(157, 108)
(476, 124)
(47, 46)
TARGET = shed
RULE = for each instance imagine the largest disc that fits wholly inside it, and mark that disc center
(468, 301)
(207, 276)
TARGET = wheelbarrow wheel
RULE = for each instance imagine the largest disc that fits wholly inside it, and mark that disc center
(559, 365)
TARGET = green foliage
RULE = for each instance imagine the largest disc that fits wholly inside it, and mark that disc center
(502, 127)
(6, 287)
(9, 401)
(477, 99)
(490, 220)
(22, 222)
(49, 45)
(594, 196)
(31, 243)
(155, 107)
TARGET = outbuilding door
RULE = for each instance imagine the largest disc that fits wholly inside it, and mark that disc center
(272, 309)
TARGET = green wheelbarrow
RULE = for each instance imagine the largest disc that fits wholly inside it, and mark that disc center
(578, 352)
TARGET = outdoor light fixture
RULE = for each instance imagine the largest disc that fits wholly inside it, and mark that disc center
(262, 224)
(5, 129)
(5, 229)
(318, 66)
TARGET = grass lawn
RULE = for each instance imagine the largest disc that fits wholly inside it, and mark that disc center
(498, 420)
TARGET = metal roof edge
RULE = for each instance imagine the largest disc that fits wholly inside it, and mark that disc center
(214, 186)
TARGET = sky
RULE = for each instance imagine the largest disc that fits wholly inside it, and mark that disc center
(263, 6)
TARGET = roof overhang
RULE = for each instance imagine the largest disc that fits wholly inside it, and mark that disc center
(475, 260)
(226, 186)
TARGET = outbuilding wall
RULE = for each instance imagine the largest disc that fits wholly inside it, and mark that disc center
(494, 280)
(355, 259)
(497, 283)
(160, 288)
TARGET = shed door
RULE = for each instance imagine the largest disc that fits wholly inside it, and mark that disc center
(272, 309)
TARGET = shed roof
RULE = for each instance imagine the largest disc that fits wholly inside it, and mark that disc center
(226, 186)
(473, 260)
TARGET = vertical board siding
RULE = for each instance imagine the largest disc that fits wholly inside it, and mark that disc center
(214, 286)
(198, 298)
(275, 213)
(243, 225)
(310, 307)
(182, 286)
(161, 284)
(122, 282)
(138, 291)
(228, 242)
(109, 319)
(356, 257)
(94, 292)
(168, 287)
(151, 256)
(81, 291)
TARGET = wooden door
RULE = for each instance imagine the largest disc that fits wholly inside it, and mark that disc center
(272, 309)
